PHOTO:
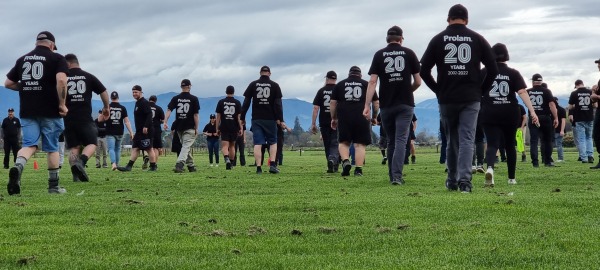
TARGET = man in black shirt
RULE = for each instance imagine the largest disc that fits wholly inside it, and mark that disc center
(545, 108)
(581, 106)
(267, 113)
(596, 129)
(11, 131)
(559, 131)
(101, 147)
(158, 116)
(186, 108)
(229, 125)
(397, 69)
(457, 53)
(347, 104)
(80, 129)
(321, 107)
(40, 76)
(116, 121)
(142, 140)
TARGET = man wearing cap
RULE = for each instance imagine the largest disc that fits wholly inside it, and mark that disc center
(397, 69)
(545, 108)
(321, 106)
(158, 117)
(582, 109)
(596, 126)
(229, 124)
(80, 129)
(186, 108)
(347, 104)
(40, 76)
(212, 140)
(116, 121)
(11, 131)
(559, 131)
(458, 52)
(101, 147)
(267, 113)
(142, 140)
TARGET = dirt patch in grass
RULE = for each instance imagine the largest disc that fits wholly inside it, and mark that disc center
(254, 230)
(327, 230)
(26, 260)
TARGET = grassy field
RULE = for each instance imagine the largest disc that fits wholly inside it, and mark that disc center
(303, 218)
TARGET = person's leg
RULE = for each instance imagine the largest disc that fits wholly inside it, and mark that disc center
(7, 148)
(98, 153)
(279, 156)
(360, 151)
(50, 130)
(534, 133)
(466, 132)
(118, 140)
(443, 144)
(103, 150)
(548, 135)
(241, 145)
(396, 121)
(492, 134)
(344, 149)
(215, 146)
(511, 151)
(61, 154)
(449, 117)
(589, 142)
(258, 155)
(558, 142)
(326, 137)
(581, 138)
(110, 143)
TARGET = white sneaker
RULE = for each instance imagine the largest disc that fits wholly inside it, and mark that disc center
(217, 165)
(489, 177)
(212, 165)
(512, 181)
(560, 160)
(473, 169)
(480, 169)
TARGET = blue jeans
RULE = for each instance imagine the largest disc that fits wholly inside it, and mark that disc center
(584, 138)
(213, 149)
(558, 142)
(114, 147)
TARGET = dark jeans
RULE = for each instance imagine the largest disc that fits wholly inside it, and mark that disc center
(331, 144)
(444, 143)
(239, 151)
(546, 133)
(478, 155)
(10, 145)
(213, 149)
(596, 132)
(396, 122)
(495, 134)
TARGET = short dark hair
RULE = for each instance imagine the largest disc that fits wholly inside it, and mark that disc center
(71, 58)
(229, 90)
(152, 98)
(390, 38)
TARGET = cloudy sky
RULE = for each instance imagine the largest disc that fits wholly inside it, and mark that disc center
(217, 43)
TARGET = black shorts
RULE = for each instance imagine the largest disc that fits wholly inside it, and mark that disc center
(229, 136)
(142, 141)
(355, 129)
(157, 138)
(80, 133)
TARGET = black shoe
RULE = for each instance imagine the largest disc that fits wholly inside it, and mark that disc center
(465, 187)
(329, 166)
(124, 169)
(358, 172)
(98, 166)
(536, 165)
(346, 167)
(398, 181)
(384, 160)
(596, 167)
(451, 185)
(336, 168)
(14, 180)
(258, 170)
(78, 170)
(273, 169)
(523, 158)
(579, 159)
(192, 169)
(228, 165)
(178, 168)
(551, 164)
(153, 169)
(590, 159)
(413, 159)
(145, 165)
(5, 167)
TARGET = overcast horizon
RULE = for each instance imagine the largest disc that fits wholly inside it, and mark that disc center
(214, 44)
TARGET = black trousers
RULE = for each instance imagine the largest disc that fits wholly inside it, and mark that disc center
(596, 131)
(546, 133)
(495, 134)
(10, 145)
(239, 151)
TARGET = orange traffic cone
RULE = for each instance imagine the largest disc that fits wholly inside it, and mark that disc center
(35, 165)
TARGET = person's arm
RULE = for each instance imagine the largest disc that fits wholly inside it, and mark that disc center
(148, 122)
(369, 98)
(375, 112)
(333, 111)
(415, 125)
(554, 114)
(525, 98)
(196, 121)
(563, 122)
(105, 102)
(11, 85)
(166, 122)
(218, 123)
(61, 88)
(245, 107)
(128, 126)
(416, 81)
(313, 125)
(427, 63)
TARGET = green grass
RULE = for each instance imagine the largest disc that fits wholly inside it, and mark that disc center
(303, 218)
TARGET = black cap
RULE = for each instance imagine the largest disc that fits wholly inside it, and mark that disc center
(114, 95)
(11, 110)
(578, 82)
(501, 52)
(136, 88)
(597, 61)
(152, 98)
(458, 11)
(355, 70)
(394, 31)
(212, 116)
(331, 75)
(185, 82)
(265, 69)
(537, 78)
(229, 90)
(45, 35)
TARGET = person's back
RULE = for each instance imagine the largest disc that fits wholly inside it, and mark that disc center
(581, 105)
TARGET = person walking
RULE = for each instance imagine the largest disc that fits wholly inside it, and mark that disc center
(212, 140)
(229, 124)
(101, 147)
(80, 129)
(40, 77)
(559, 131)
(116, 121)
(158, 117)
(397, 70)
(321, 107)
(267, 113)
(187, 109)
(596, 125)
(582, 109)
(545, 108)
(11, 133)
(457, 53)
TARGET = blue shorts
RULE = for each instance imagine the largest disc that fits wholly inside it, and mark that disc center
(264, 132)
(49, 129)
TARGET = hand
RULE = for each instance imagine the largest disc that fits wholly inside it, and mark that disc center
(145, 130)
(241, 132)
(562, 133)
(313, 129)
(62, 110)
(105, 111)
(534, 119)
(555, 123)
(131, 136)
(166, 126)
(373, 121)
(367, 112)
(334, 124)
(196, 131)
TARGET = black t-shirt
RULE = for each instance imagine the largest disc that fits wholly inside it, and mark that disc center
(101, 126)
(80, 86)
(114, 124)
(540, 99)
(395, 65)
(323, 100)
(37, 71)
(186, 105)
(350, 95)
(521, 113)
(264, 93)
(142, 114)
(10, 128)
(158, 115)
(229, 108)
(499, 103)
(581, 99)
(561, 113)
(457, 53)
(212, 129)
